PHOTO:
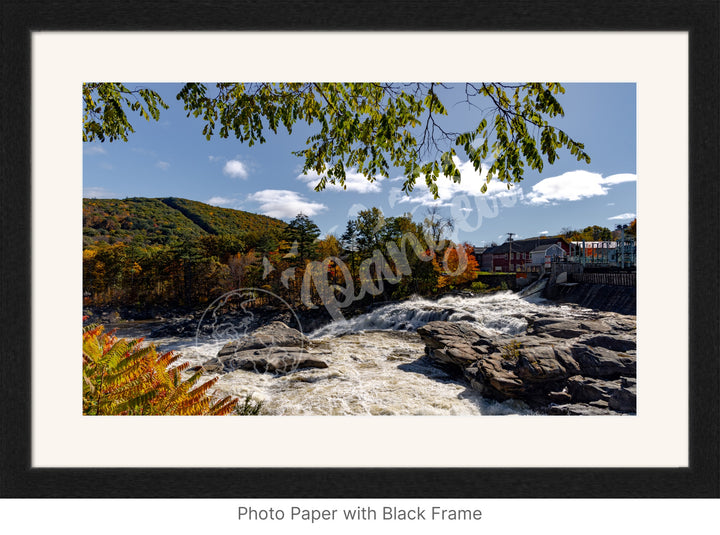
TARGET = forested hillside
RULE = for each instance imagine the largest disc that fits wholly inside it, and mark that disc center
(174, 252)
(166, 221)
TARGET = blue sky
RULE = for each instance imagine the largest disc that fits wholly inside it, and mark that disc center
(172, 158)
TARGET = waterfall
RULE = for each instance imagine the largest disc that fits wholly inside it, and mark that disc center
(501, 312)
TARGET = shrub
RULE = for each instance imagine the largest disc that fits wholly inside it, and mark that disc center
(249, 407)
(478, 286)
(511, 351)
(122, 378)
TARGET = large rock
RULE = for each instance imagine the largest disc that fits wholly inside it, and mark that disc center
(586, 390)
(493, 380)
(560, 366)
(275, 334)
(541, 364)
(273, 348)
(270, 359)
(559, 328)
(603, 363)
(453, 343)
(444, 333)
(624, 399)
(613, 343)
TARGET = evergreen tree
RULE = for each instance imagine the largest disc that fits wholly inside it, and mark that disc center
(301, 234)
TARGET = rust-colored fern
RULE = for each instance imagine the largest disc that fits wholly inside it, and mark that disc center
(123, 377)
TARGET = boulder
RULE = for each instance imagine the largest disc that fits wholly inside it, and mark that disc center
(613, 343)
(560, 328)
(587, 390)
(437, 334)
(275, 334)
(541, 364)
(499, 380)
(270, 359)
(561, 397)
(603, 363)
(625, 398)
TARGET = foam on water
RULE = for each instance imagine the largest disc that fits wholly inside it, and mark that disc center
(370, 373)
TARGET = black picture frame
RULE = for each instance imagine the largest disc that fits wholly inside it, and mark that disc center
(700, 18)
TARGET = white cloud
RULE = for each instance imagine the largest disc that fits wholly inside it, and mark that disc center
(574, 185)
(619, 179)
(285, 204)
(235, 169)
(144, 151)
(162, 165)
(215, 158)
(224, 202)
(97, 193)
(471, 182)
(543, 232)
(355, 209)
(621, 217)
(354, 181)
(93, 149)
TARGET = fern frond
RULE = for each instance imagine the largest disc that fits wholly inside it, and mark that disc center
(223, 407)
(122, 378)
(113, 354)
(137, 403)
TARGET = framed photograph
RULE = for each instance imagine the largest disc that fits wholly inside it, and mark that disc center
(370, 325)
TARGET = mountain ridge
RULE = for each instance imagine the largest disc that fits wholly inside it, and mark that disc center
(166, 220)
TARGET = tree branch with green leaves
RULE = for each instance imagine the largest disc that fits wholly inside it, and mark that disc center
(369, 127)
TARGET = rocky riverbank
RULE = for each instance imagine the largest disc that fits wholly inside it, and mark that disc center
(558, 366)
(175, 322)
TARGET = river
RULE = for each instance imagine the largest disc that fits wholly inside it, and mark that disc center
(377, 363)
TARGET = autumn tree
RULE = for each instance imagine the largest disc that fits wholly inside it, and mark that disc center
(596, 233)
(369, 127)
(632, 228)
(457, 267)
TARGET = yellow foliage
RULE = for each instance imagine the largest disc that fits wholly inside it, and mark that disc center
(121, 377)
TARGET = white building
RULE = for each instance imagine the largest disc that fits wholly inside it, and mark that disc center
(542, 255)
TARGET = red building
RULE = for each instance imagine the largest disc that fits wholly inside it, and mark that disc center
(514, 256)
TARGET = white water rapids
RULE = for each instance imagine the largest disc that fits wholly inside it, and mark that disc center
(377, 364)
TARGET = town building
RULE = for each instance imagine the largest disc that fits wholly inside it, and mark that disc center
(517, 255)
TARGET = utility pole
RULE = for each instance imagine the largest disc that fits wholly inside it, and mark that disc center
(510, 240)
